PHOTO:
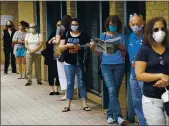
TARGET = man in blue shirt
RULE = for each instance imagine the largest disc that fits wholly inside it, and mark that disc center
(135, 42)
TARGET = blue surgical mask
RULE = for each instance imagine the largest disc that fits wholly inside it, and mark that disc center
(112, 28)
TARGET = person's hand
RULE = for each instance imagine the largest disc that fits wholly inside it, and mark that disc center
(32, 51)
(49, 42)
(77, 47)
(20, 41)
(164, 77)
(92, 46)
(121, 47)
(161, 83)
(71, 46)
(53, 38)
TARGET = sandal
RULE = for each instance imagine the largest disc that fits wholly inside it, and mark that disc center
(87, 109)
(51, 93)
(61, 99)
(66, 109)
(57, 93)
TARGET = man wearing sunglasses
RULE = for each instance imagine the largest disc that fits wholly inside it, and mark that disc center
(136, 23)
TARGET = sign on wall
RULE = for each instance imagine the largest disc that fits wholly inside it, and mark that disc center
(5, 18)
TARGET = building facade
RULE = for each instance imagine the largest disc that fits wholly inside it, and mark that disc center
(92, 15)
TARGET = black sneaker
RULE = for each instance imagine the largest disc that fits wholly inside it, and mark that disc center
(28, 84)
(39, 83)
(57, 93)
(5, 73)
(52, 93)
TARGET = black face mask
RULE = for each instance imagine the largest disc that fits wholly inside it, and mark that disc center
(9, 26)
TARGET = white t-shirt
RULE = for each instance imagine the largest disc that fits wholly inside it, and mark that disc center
(33, 41)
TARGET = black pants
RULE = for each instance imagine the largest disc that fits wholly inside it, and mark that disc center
(9, 56)
(53, 73)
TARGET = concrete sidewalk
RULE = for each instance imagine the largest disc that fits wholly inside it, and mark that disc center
(32, 105)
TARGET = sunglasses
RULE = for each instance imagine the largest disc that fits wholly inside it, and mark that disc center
(161, 60)
(58, 25)
(157, 29)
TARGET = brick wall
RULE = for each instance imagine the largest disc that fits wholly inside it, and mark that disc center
(117, 8)
(71, 8)
(157, 8)
(26, 11)
(8, 8)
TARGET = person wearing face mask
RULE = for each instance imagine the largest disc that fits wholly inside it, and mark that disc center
(113, 67)
(136, 23)
(19, 48)
(61, 33)
(152, 67)
(50, 61)
(7, 36)
(73, 46)
(33, 43)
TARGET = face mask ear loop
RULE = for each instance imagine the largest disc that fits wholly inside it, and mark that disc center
(166, 89)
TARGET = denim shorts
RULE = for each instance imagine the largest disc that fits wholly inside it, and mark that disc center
(20, 52)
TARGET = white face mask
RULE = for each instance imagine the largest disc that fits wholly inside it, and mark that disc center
(32, 30)
(74, 28)
(159, 36)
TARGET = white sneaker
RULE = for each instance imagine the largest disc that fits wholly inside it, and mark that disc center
(20, 76)
(122, 122)
(110, 120)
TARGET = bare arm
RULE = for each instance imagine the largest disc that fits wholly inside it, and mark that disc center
(26, 45)
(141, 75)
(58, 37)
(62, 45)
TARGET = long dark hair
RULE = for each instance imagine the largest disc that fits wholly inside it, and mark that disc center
(148, 31)
(12, 24)
(66, 20)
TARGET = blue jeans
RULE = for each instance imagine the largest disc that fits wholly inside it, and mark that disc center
(136, 91)
(113, 76)
(70, 71)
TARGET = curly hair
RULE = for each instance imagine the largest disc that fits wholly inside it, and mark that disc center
(24, 24)
(114, 19)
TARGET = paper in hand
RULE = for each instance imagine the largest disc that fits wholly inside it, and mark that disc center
(108, 46)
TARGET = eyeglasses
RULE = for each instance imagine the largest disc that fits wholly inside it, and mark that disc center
(74, 25)
(161, 60)
(31, 27)
(58, 25)
(157, 29)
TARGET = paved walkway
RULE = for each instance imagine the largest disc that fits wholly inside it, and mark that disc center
(32, 105)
